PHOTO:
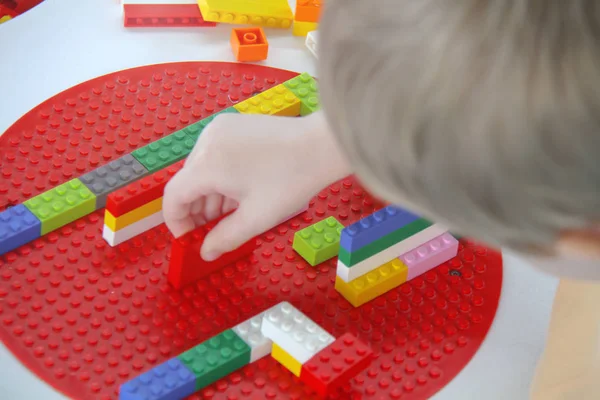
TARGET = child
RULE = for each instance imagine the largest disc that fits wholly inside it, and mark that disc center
(482, 115)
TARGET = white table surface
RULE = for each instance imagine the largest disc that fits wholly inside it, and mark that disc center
(65, 42)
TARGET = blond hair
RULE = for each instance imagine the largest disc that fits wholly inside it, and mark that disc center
(480, 114)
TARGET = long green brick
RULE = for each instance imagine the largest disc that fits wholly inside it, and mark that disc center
(164, 152)
(319, 242)
(216, 358)
(306, 89)
(350, 259)
(62, 205)
(196, 129)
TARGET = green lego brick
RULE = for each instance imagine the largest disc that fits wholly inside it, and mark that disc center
(319, 242)
(306, 89)
(62, 205)
(217, 357)
(379, 245)
(196, 129)
(164, 152)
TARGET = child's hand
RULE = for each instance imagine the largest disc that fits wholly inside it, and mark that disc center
(266, 167)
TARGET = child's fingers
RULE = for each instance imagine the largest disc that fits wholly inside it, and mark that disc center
(180, 194)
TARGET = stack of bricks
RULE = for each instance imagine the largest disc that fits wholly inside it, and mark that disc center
(202, 365)
(267, 13)
(124, 185)
(310, 353)
(387, 248)
(306, 18)
(136, 208)
(162, 13)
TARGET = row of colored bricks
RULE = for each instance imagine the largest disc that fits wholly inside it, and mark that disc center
(206, 13)
(82, 196)
(282, 331)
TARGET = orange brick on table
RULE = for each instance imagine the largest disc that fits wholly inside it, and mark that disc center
(308, 10)
(249, 44)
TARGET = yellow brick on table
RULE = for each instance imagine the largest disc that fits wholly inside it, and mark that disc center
(278, 100)
(285, 359)
(118, 223)
(269, 13)
(319, 242)
(301, 28)
(373, 284)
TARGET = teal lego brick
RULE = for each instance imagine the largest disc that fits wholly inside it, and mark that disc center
(355, 257)
(194, 130)
(216, 358)
(164, 152)
(62, 205)
(319, 242)
(306, 89)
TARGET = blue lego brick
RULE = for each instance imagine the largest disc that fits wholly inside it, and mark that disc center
(171, 380)
(375, 226)
(18, 226)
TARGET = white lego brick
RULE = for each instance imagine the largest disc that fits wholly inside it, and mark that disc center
(249, 331)
(294, 332)
(348, 274)
(311, 42)
(131, 231)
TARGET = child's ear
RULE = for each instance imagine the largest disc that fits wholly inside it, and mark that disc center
(584, 243)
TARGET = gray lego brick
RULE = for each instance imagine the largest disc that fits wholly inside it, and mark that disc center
(113, 176)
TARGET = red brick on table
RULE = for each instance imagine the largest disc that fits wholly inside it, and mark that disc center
(336, 364)
(187, 266)
(141, 192)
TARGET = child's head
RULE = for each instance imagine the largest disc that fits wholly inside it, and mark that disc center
(481, 114)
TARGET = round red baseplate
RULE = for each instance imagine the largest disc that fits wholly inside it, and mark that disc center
(86, 317)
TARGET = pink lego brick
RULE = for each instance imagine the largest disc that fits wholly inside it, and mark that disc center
(429, 255)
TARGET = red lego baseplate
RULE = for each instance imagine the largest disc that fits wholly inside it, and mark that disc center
(86, 317)
(163, 15)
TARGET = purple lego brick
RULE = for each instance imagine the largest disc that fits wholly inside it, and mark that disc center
(375, 226)
(18, 226)
(433, 253)
(171, 380)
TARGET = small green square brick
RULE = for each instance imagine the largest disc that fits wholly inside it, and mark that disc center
(165, 152)
(216, 358)
(319, 242)
(62, 205)
(306, 89)
(196, 129)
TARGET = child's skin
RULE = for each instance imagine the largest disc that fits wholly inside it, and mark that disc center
(478, 114)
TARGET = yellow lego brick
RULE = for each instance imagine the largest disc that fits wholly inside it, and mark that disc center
(369, 286)
(118, 223)
(302, 28)
(289, 362)
(5, 18)
(276, 101)
(269, 13)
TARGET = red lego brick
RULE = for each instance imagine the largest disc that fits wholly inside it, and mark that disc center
(336, 364)
(163, 15)
(186, 266)
(141, 192)
(7, 11)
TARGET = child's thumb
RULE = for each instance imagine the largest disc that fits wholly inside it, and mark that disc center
(230, 233)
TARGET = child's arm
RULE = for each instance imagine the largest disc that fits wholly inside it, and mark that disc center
(570, 366)
(266, 167)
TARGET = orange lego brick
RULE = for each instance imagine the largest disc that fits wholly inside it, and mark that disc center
(249, 44)
(308, 10)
